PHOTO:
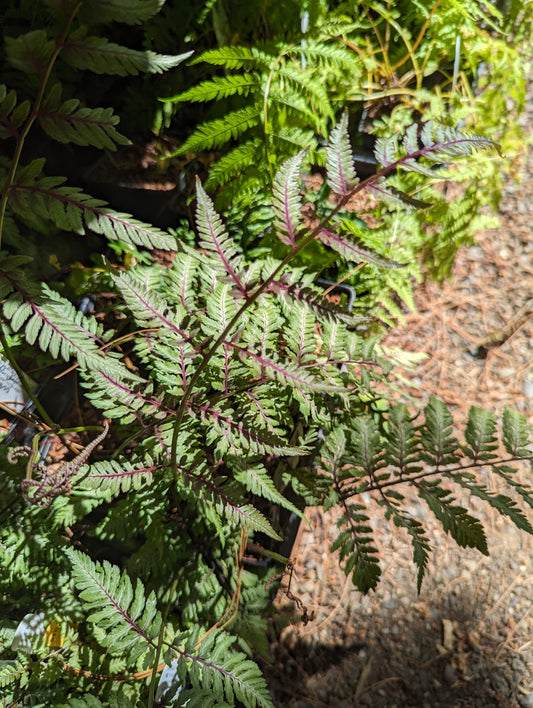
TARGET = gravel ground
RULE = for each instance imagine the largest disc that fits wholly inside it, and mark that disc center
(467, 640)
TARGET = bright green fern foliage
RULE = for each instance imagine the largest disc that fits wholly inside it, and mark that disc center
(285, 97)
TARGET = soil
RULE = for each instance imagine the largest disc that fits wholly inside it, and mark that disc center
(466, 641)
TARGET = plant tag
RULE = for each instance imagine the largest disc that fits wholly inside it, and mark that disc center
(12, 393)
(52, 635)
(169, 685)
(32, 625)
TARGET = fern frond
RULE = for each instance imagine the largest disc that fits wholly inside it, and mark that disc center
(230, 57)
(301, 340)
(466, 530)
(401, 442)
(182, 281)
(248, 516)
(115, 477)
(445, 142)
(504, 505)
(256, 480)
(217, 242)
(287, 200)
(133, 12)
(355, 546)
(228, 675)
(329, 56)
(88, 701)
(11, 671)
(127, 620)
(12, 114)
(148, 308)
(30, 52)
(67, 123)
(350, 248)
(340, 170)
(367, 446)
(508, 474)
(72, 210)
(101, 56)
(118, 397)
(227, 432)
(235, 162)
(439, 144)
(395, 197)
(215, 133)
(414, 528)
(58, 328)
(314, 90)
(285, 372)
(385, 151)
(217, 88)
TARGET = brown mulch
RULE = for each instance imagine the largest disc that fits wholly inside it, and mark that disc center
(467, 639)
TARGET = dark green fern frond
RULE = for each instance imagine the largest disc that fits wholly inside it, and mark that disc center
(12, 113)
(72, 210)
(68, 123)
(509, 475)
(414, 528)
(465, 530)
(402, 442)
(30, 52)
(134, 12)
(504, 505)
(101, 56)
(356, 549)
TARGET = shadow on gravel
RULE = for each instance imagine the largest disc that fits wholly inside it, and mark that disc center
(445, 656)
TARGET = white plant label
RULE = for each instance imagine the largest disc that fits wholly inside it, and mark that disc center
(12, 394)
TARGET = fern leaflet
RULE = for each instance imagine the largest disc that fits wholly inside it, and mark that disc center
(286, 200)
(341, 176)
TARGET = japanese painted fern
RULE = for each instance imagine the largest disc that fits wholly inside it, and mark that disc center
(235, 387)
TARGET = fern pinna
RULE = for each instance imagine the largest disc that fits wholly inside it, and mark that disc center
(242, 387)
